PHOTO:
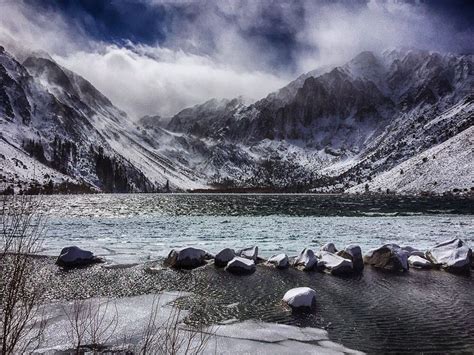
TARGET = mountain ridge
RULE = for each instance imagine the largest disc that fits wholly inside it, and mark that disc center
(328, 130)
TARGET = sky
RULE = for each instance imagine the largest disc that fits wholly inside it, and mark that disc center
(160, 56)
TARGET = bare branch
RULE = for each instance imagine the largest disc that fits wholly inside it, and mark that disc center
(21, 227)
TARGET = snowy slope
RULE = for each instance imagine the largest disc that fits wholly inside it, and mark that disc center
(17, 166)
(447, 167)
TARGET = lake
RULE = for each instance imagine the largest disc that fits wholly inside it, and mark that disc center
(137, 227)
(425, 311)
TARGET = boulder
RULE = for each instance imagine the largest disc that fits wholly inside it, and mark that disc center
(413, 251)
(74, 256)
(306, 260)
(249, 253)
(223, 257)
(389, 256)
(186, 258)
(300, 298)
(354, 254)
(335, 264)
(240, 266)
(419, 263)
(453, 256)
(330, 247)
(280, 261)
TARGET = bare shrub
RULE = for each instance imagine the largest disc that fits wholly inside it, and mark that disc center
(168, 336)
(92, 323)
(21, 321)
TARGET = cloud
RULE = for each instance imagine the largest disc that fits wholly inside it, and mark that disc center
(173, 54)
(23, 30)
(340, 33)
(145, 80)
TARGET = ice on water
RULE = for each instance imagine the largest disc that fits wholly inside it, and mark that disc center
(143, 227)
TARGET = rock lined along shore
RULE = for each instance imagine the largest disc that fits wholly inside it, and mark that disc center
(453, 256)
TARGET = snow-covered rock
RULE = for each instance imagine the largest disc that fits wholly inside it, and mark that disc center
(249, 253)
(453, 255)
(413, 251)
(306, 260)
(389, 256)
(335, 264)
(354, 254)
(419, 262)
(330, 247)
(186, 258)
(223, 257)
(280, 261)
(74, 256)
(300, 297)
(240, 266)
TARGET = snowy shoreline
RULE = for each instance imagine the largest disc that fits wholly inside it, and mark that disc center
(228, 337)
(218, 297)
(132, 309)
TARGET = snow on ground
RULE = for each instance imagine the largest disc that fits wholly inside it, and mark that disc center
(442, 168)
(248, 337)
(17, 166)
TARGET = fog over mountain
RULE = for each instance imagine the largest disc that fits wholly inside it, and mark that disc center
(175, 54)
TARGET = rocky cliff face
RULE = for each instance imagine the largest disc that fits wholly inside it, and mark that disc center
(326, 131)
(341, 127)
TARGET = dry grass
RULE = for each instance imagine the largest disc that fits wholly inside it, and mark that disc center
(91, 324)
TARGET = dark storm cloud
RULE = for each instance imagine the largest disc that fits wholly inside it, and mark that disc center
(272, 26)
(459, 12)
(111, 21)
(172, 54)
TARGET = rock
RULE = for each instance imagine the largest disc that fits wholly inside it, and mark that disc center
(389, 256)
(223, 257)
(280, 261)
(419, 263)
(74, 256)
(335, 264)
(249, 253)
(354, 254)
(300, 298)
(453, 256)
(186, 258)
(413, 251)
(240, 266)
(330, 247)
(306, 260)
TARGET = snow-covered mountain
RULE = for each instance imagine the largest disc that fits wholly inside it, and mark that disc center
(57, 129)
(336, 129)
(328, 130)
